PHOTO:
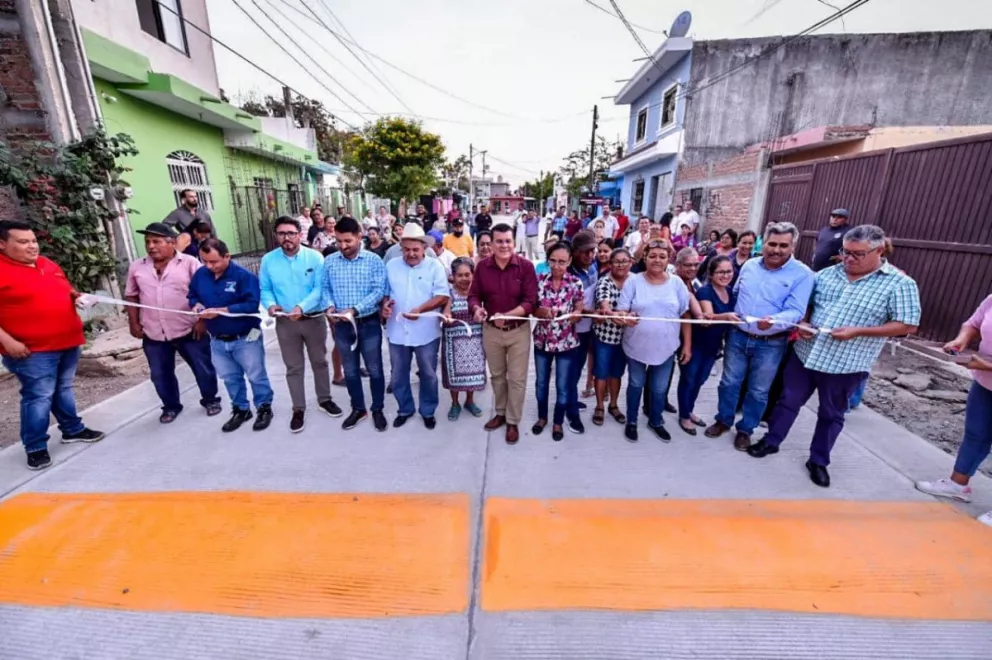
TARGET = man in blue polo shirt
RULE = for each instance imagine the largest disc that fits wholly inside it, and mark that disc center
(236, 346)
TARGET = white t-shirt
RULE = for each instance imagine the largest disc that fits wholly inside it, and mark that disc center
(612, 225)
(632, 241)
(305, 225)
(686, 217)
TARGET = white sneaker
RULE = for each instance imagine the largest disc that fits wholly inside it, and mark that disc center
(985, 518)
(945, 488)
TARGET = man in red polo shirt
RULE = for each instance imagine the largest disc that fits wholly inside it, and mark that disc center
(40, 336)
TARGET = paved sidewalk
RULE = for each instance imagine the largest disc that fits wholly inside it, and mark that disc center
(178, 542)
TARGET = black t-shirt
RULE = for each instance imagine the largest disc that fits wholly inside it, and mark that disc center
(380, 250)
(828, 245)
(483, 222)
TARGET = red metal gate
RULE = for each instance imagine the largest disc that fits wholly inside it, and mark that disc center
(934, 200)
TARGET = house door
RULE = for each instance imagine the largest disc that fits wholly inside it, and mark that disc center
(663, 197)
(652, 196)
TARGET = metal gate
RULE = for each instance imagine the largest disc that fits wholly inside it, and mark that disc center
(934, 200)
(255, 210)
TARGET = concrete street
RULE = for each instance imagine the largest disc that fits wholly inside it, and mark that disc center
(178, 542)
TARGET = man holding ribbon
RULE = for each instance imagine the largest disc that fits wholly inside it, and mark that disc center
(856, 305)
(774, 291)
(161, 280)
(354, 283)
(40, 339)
(218, 290)
(415, 285)
(290, 280)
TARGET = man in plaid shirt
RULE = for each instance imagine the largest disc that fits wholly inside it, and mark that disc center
(856, 305)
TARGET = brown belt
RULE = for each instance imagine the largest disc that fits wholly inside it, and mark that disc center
(507, 325)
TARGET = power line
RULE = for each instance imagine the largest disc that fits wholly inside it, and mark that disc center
(626, 24)
(308, 56)
(639, 27)
(360, 60)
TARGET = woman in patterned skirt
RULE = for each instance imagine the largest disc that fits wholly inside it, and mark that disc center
(463, 367)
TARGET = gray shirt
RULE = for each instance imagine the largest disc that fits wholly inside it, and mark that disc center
(182, 219)
(653, 342)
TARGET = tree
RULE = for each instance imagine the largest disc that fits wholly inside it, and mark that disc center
(455, 174)
(575, 170)
(540, 189)
(306, 113)
(395, 158)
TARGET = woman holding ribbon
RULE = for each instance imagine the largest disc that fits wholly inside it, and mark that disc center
(560, 301)
(609, 362)
(651, 345)
(463, 364)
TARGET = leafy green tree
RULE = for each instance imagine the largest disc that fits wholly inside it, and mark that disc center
(575, 170)
(395, 158)
(454, 174)
(306, 112)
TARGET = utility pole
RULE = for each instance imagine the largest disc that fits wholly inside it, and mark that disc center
(592, 146)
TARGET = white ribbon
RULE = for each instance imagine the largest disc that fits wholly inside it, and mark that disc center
(661, 319)
(444, 319)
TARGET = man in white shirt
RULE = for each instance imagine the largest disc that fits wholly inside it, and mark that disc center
(610, 223)
(415, 284)
(305, 223)
(687, 217)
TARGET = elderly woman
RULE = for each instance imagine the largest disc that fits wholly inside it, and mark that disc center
(609, 362)
(463, 362)
(559, 294)
(977, 441)
(651, 346)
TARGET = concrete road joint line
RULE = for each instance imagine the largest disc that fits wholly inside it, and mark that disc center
(473, 601)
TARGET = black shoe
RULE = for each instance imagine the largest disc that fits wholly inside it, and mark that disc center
(400, 420)
(761, 449)
(351, 421)
(263, 419)
(575, 426)
(557, 434)
(538, 427)
(818, 474)
(213, 409)
(630, 432)
(430, 422)
(238, 417)
(332, 409)
(86, 435)
(582, 405)
(662, 433)
(379, 420)
(39, 460)
(298, 422)
(168, 416)
(669, 408)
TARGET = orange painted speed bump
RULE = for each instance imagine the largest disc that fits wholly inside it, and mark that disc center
(906, 560)
(248, 554)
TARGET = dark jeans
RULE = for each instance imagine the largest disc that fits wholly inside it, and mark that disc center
(655, 379)
(835, 391)
(582, 352)
(565, 364)
(756, 361)
(692, 376)
(977, 439)
(161, 357)
(370, 349)
(46, 381)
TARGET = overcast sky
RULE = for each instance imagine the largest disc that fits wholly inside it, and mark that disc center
(537, 65)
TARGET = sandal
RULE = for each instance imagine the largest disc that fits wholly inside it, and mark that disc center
(539, 426)
(589, 392)
(475, 410)
(454, 412)
(598, 416)
(617, 415)
(698, 422)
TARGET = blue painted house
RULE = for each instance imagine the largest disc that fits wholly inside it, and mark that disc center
(655, 132)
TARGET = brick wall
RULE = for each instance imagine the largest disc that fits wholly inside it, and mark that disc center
(728, 187)
(22, 117)
(727, 207)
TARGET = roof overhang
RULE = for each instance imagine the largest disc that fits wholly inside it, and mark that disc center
(171, 93)
(813, 138)
(271, 148)
(669, 53)
(664, 148)
(109, 61)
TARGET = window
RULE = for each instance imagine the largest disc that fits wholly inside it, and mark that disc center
(163, 19)
(696, 196)
(187, 171)
(638, 200)
(295, 198)
(668, 102)
(642, 126)
(262, 182)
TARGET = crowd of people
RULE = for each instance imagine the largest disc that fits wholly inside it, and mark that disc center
(645, 299)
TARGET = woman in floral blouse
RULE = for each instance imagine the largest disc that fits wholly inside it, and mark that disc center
(559, 293)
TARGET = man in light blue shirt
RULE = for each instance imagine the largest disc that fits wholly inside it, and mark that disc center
(776, 290)
(415, 284)
(354, 284)
(290, 279)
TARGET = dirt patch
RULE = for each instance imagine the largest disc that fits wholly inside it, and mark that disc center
(89, 391)
(939, 421)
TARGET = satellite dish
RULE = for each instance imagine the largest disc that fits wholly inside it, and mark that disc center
(680, 26)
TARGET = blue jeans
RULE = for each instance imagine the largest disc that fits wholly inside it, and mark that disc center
(757, 362)
(565, 364)
(582, 352)
(161, 357)
(977, 441)
(370, 349)
(858, 395)
(46, 381)
(401, 357)
(235, 360)
(692, 376)
(655, 377)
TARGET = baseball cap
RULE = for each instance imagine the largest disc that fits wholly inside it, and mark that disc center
(159, 229)
(841, 213)
(583, 240)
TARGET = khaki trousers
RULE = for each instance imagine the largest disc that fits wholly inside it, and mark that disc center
(293, 336)
(508, 355)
